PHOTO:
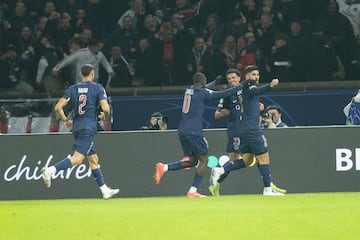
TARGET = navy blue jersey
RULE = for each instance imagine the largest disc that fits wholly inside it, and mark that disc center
(193, 107)
(233, 103)
(84, 98)
(251, 116)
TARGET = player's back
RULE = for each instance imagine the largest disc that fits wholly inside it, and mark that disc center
(85, 98)
(192, 110)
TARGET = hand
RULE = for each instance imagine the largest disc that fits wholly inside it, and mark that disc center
(274, 82)
(101, 116)
(68, 124)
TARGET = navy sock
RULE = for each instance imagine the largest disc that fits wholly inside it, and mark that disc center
(234, 165)
(223, 176)
(264, 170)
(63, 164)
(99, 178)
(174, 166)
(197, 180)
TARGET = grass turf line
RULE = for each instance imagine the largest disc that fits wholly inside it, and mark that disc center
(294, 216)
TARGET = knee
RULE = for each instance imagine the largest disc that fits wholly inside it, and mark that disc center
(76, 161)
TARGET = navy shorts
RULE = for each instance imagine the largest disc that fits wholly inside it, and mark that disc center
(84, 142)
(254, 142)
(233, 144)
(193, 145)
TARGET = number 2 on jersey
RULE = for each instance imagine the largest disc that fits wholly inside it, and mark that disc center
(82, 101)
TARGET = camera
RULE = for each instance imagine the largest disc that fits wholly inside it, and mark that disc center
(162, 120)
(265, 115)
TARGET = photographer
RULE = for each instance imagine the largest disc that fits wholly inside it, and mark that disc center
(271, 117)
(157, 122)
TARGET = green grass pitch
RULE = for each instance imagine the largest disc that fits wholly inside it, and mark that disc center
(294, 216)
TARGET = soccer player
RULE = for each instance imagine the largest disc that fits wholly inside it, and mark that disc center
(252, 140)
(230, 106)
(190, 132)
(84, 98)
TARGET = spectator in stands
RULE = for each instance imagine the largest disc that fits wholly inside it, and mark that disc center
(86, 34)
(265, 33)
(150, 31)
(244, 57)
(187, 12)
(200, 59)
(95, 10)
(157, 122)
(350, 10)
(10, 72)
(339, 29)
(271, 117)
(229, 52)
(70, 7)
(62, 33)
(147, 64)
(40, 26)
(18, 19)
(136, 13)
(249, 9)
(260, 58)
(166, 35)
(238, 25)
(297, 38)
(159, 9)
(212, 33)
(284, 62)
(321, 58)
(79, 21)
(123, 69)
(90, 55)
(289, 11)
(52, 84)
(123, 36)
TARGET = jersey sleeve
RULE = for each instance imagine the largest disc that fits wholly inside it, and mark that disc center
(258, 90)
(224, 93)
(102, 92)
(68, 93)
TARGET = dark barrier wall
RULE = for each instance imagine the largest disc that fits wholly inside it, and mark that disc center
(300, 108)
(303, 160)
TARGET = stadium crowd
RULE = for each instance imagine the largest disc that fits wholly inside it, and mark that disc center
(163, 42)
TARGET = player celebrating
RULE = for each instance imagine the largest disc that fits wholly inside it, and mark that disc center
(190, 131)
(232, 106)
(252, 141)
(84, 98)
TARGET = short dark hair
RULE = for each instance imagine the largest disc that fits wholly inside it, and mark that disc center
(276, 107)
(233, 70)
(86, 69)
(93, 42)
(199, 78)
(251, 68)
(157, 115)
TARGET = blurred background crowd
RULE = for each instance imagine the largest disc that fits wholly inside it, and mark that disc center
(164, 42)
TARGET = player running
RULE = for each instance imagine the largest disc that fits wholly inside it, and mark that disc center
(251, 141)
(84, 98)
(190, 132)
